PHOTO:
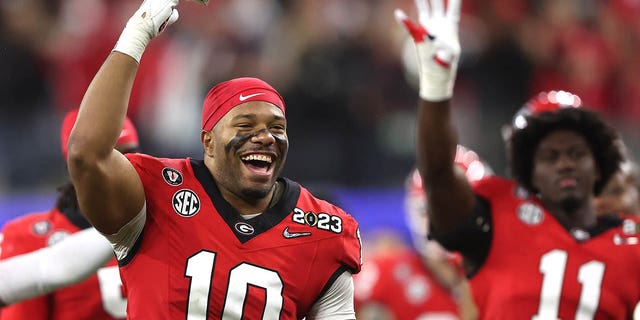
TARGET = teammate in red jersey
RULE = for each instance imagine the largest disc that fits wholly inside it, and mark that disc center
(45, 270)
(620, 194)
(535, 247)
(99, 296)
(223, 238)
(425, 282)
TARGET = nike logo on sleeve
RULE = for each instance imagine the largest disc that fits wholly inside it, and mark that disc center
(290, 235)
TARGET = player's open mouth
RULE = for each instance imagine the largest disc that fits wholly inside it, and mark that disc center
(258, 163)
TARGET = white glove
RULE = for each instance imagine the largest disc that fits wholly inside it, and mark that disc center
(437, 44)
(151, 18)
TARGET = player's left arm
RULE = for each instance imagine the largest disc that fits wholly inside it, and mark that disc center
(337, 303)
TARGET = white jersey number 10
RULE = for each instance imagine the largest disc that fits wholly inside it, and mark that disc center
(200, 270)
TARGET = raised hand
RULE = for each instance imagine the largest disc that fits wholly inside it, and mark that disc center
(437, 44)
(147, 22)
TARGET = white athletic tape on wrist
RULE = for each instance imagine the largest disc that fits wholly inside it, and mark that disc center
(146, 23)
(436, 80)
(133, 42)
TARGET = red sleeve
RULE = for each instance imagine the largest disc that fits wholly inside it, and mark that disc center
(495, 186)
(351, 242)
(19, 239)
(142, 162)
(33, 309)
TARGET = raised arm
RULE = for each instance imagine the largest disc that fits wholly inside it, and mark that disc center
(450, 198)
(109, 190)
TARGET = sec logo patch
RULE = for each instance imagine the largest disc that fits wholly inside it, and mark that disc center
(186, 203)
(530, 213)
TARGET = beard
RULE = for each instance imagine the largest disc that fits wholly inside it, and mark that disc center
(570, 204)
(254, 193)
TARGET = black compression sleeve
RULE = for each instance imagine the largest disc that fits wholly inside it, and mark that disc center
(472, 238)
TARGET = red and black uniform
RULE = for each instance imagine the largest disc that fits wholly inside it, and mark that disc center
(197, 256)
(528, 266)
(404, 286)
(97, 297)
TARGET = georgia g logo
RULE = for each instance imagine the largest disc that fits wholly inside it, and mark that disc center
(244, 228)
(186, 203)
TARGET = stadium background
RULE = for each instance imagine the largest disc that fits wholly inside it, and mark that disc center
(337, 64)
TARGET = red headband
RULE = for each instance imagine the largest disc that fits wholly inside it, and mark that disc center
(229, 94)
(129, 134)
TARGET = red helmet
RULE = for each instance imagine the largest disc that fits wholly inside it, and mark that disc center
(128, 135)
(416, 203)
(542, 102)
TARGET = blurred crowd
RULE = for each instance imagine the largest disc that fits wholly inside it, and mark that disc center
(338, 64)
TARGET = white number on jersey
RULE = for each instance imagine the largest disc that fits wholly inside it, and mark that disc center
(113, 302)
(200, 270)
(552, 267)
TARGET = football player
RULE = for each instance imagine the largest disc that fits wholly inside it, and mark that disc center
(620, 194)
(425, 281)
(534, 246)
(221, 238)
(99, 296)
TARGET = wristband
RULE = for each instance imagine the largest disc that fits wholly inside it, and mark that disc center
(132, 42)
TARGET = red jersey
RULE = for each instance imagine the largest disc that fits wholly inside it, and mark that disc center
(536, 269)
(198, 258)
(404, 286)
(97, 297)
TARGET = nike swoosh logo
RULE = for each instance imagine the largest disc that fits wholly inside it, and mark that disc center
(243, 98)
(291, 235)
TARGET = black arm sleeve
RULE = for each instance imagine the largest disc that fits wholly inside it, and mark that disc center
(472, 238)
